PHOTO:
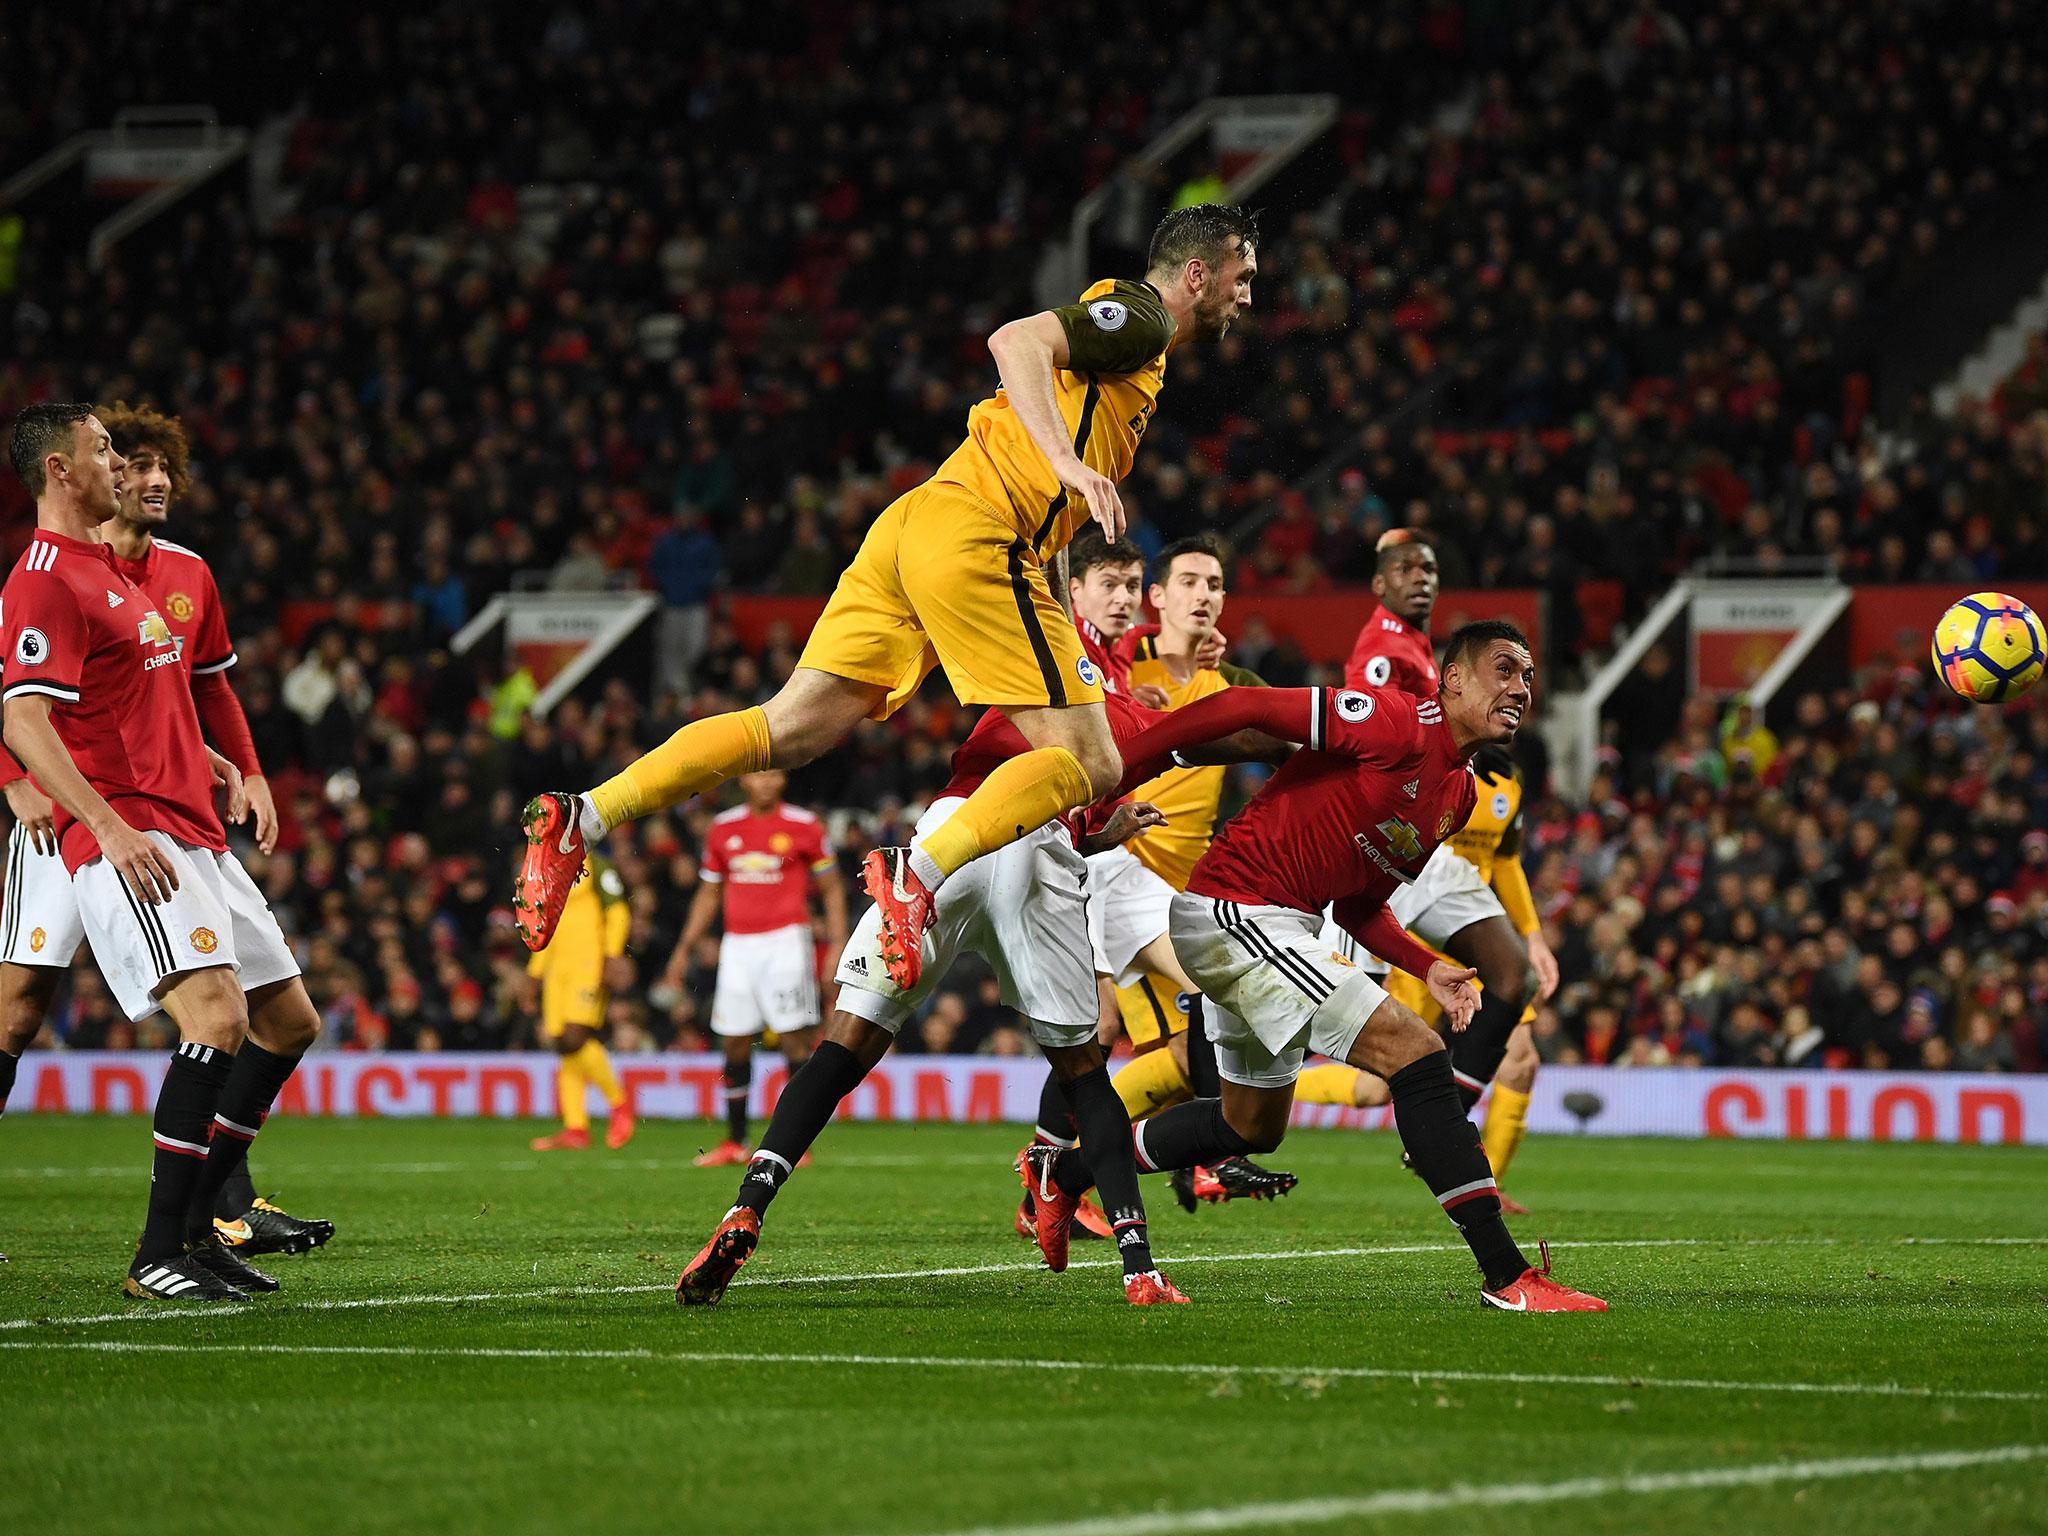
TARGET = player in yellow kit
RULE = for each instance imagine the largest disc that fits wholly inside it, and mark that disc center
(1453, 911)
(581, 965)
(953, 574)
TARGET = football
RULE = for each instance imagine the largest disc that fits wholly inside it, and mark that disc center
(1989, 648)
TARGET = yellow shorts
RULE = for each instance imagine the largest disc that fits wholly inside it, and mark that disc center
(941, 580)
(1152, 1011)
(1409, 992)
(562, 1005)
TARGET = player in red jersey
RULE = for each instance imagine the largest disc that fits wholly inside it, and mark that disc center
(1385, 781)
(764, 858)
(97, 708)
(40, 928)
(1392, 649)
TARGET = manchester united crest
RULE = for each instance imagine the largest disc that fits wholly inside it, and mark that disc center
(1443, 827)
(36, 940)
(204, 941)
(181, 607)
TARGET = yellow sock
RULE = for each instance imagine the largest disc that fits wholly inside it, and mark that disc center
(1331, 1083)
(1150, 1082)
(1507, 1116)
(569, 1085)
(1021, 796)
(596, 1063)
(702, 755)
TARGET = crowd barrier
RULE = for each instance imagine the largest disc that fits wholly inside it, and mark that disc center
(1603, 1101)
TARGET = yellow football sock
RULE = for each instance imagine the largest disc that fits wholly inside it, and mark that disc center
(1331, 1083)
(1021, 796)
(1506, 1118)
(702, 755)
(569, 1085)
(597, 1068)
(1150, 1082)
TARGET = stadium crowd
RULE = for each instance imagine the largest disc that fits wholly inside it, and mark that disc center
(1606, 314)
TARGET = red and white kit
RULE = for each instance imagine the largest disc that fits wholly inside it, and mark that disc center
(767, 962)
(76, 628)
(1392, 653)
(1348, 821)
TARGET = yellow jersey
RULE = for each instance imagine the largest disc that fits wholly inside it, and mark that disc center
(1117, 336)
(1188, 798)
(595, 922)
(1491, 842)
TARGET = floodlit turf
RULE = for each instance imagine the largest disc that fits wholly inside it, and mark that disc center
(521, 1366)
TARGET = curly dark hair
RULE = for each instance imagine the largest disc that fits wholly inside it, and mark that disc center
(135, 428)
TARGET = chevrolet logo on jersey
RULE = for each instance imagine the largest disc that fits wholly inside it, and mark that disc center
(152, 630)
(1403, 839)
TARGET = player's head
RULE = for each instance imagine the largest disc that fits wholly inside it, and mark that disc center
(1488, 680)
(1187, 586)
(764, 789)
(1202, 260)
(64, 455)
(1105, 582)
(1405, 577)
(154, 446)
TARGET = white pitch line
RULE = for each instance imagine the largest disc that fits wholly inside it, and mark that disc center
(146, 1314)
(1288, 1374)
(1420, 1501)
(344, 1173)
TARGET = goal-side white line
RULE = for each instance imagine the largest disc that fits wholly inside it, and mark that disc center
(1418, 1501)
(1286, 1374)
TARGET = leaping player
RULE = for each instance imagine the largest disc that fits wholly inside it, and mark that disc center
(954, 574)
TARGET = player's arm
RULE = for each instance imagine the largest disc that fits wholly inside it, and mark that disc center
(832, 897)
(1372, 726)
(1118, 333)
(1125, 822)
(220, 712)
(29, 806)
(1380, 931)
(1511, 885)
(33, 739)
(696, 925)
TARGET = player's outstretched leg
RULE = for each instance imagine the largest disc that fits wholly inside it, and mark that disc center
(1056, 1129)
(809, 1100)
(811, 714)
(1432, 1118)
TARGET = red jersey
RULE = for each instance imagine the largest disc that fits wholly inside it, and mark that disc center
(1352, 817)
(994, 741)
(1392, 653)
(1112, 661)
(76, 629)
(181, 585)
(766, 864)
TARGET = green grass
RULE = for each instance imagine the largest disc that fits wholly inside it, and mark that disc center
(1787, 1264)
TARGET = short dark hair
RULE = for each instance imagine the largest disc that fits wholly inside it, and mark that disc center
(39, 431)
(1394, 541)
(1468, 640)
(1092, 549)
(1193, 544)
(1201, 231)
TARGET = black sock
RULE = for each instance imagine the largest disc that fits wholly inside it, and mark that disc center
(184, 1118)
(1056, 1126)
(1478, 1049)
(8, 1064)
(809, 1100)
(1179, 1137)
(253, 1084)
(1103, 1127)
(1444, 1146)
(1203, 1079)
(739, 1078)
(238, 1196)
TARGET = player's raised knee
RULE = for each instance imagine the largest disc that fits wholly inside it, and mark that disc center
(1394, 1037)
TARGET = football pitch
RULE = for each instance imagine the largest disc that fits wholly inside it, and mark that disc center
(1805, 1337)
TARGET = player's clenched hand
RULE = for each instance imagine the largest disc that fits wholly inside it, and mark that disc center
(1545, 961)
(227, 776)
(1098, 492)
(142, 864)
(1451, 985)
(1127, 821)
(33, 810)
(1152, 696)
(264, 809)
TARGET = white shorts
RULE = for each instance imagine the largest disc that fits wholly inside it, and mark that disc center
(1023, 909)
(766, 981)
(1128, 907)
(1446, 899)
(39, 921)
(1276, 988)
(215, 917)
